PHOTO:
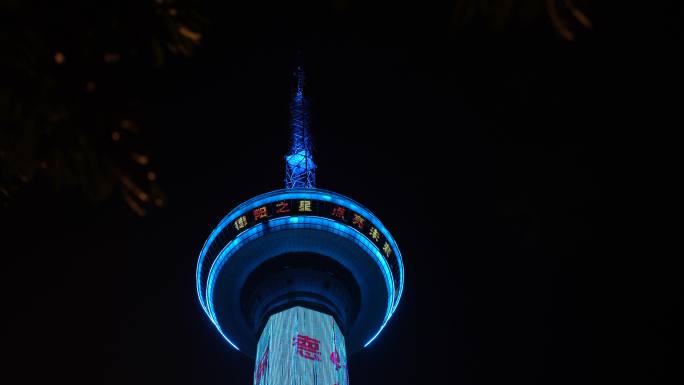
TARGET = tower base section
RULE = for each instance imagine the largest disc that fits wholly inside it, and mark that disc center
(300, 346)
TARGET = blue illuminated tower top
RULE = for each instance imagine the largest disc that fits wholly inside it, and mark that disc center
(299, 247)
(300, 169)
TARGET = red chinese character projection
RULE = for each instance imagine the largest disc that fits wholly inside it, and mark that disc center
(303, 346)
(335, 358)
(282, 207)
(261, 212)
(261, 367)
(338, 212)
(307, 347)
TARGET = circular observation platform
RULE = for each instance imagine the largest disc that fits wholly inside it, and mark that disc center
(306, 247)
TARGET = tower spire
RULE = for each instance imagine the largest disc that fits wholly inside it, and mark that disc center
(300, 169)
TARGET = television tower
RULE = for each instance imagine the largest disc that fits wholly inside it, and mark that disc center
(301, 276)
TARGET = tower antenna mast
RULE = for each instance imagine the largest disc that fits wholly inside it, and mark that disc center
(300, 169)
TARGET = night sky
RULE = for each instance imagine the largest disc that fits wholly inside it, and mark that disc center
(514, 169)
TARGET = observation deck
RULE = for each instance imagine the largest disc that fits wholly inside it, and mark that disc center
(299, 247)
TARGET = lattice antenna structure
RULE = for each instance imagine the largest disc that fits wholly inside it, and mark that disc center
(300, 169)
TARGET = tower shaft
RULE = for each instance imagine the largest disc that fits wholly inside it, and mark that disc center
(300, 346)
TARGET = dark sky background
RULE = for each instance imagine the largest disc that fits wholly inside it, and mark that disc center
(512, 167)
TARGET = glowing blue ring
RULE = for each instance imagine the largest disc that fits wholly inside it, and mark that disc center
(315, 194)
(300, 194)
(301, 222)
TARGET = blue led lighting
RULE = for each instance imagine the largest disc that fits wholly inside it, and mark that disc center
(286, 194)
(376, 334)
(299, 222)
(300, 161)
(303, 222)
(300, 169)
(226, 337)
